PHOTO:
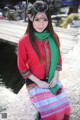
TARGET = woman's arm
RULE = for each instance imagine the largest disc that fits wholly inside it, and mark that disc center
(24, 67)
(59, 64)
(40, 83)
(54, 79)
(22, 60)
(56, 74)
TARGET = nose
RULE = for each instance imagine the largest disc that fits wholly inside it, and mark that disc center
(41, 23)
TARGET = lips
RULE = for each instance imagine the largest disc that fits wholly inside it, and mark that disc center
(40, 28)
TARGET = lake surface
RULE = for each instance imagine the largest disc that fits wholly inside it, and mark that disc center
(9, 73)
(11, 80)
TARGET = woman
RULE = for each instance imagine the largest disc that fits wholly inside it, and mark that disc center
(39, 61)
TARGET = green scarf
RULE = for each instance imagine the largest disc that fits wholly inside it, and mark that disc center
(54, 55)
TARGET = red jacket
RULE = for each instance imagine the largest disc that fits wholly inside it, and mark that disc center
(28, 61)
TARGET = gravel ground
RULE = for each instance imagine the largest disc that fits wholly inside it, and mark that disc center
(70, 77)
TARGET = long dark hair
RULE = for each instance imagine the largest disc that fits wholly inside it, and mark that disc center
(33, 10)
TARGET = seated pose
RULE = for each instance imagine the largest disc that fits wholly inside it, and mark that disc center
(39, 62)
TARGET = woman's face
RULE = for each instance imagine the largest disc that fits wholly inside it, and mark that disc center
(40, 21)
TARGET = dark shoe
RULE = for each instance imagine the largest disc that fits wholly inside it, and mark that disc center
(38, 117)
(66, 117)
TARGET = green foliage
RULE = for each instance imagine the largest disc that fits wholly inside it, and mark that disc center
(55, 6)
(76, 17)
(69, 19)
(11, 16)
(56, 3)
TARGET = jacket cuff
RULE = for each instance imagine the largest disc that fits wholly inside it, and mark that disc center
(59, 67)
(26, 74)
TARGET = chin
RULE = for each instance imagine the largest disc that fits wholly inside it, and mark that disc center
(39, 30)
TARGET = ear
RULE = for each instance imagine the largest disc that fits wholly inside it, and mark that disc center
(30, 17)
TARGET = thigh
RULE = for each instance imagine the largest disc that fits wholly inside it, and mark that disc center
(48, 104)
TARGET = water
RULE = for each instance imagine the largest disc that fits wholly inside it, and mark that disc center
(10, 79)
(9, 73)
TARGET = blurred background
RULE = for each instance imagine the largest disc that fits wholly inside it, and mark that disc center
(64, 14)
(60, 9)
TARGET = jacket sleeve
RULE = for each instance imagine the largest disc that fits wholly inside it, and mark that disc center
(22, 60)
(59, 64)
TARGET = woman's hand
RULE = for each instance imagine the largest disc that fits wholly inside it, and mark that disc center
(54, 79)
(43, 84)
(53, 83)
(40, 83)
